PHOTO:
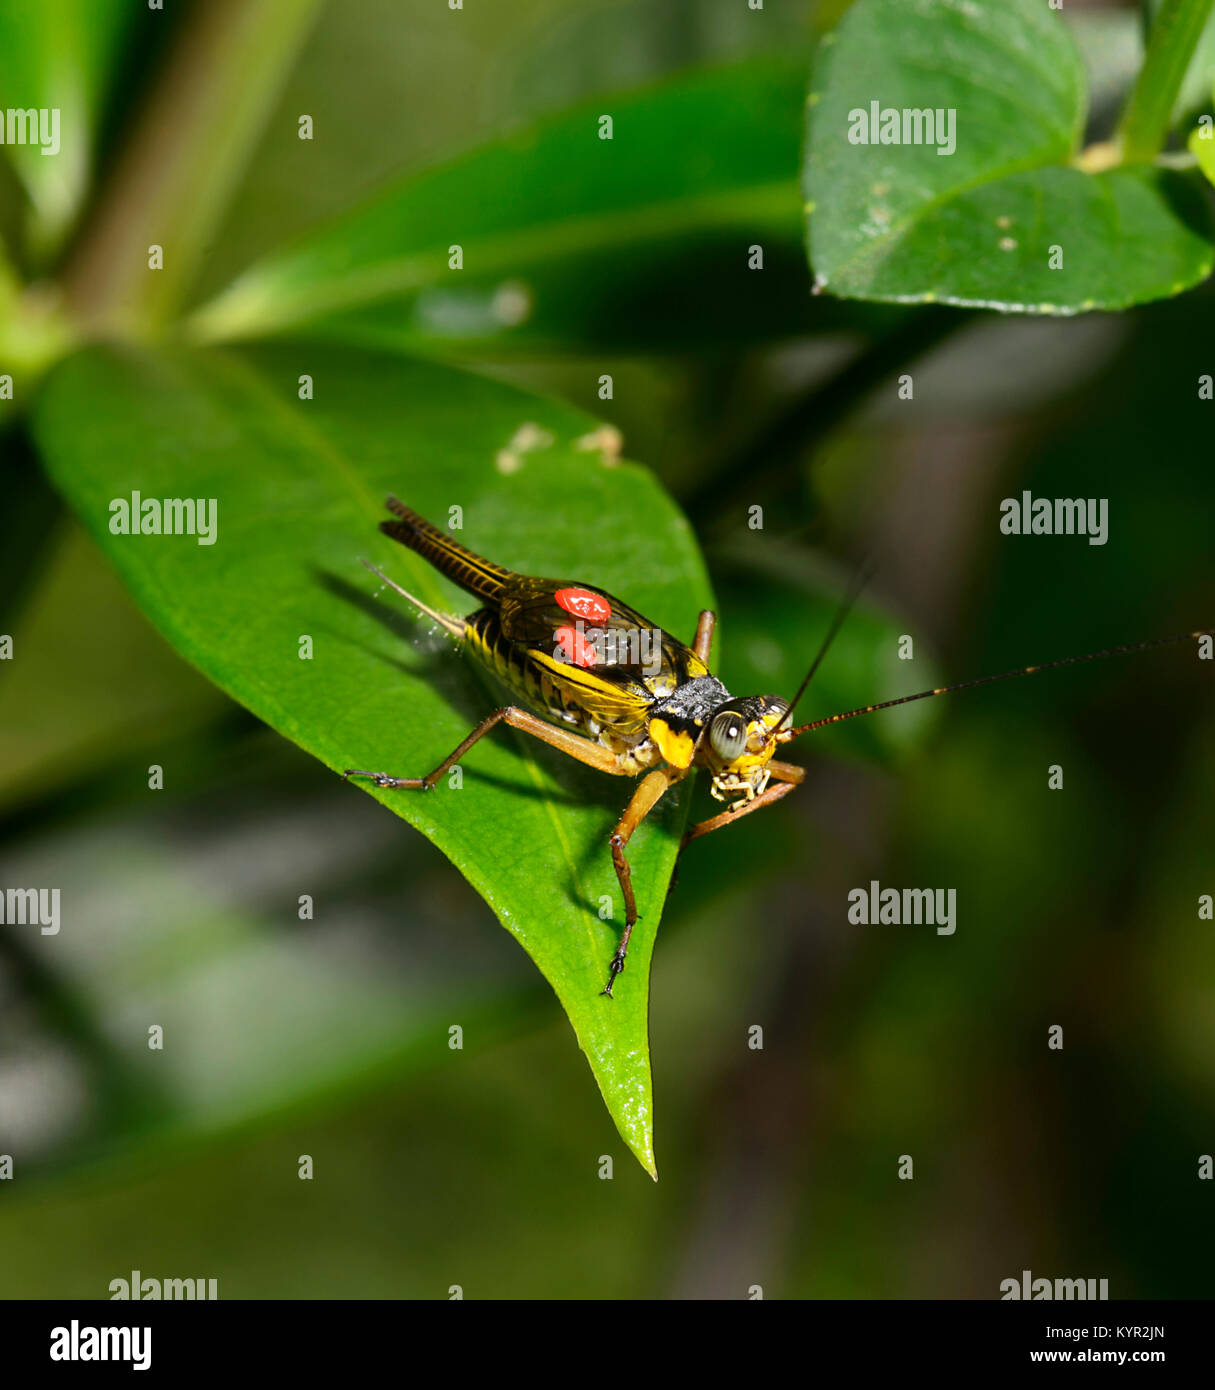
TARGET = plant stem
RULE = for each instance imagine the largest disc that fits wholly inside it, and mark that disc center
(1145, 121)
(189, 148)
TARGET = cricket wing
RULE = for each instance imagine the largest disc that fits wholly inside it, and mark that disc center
(587, 627)
(612, 702)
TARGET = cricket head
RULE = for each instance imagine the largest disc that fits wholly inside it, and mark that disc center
(739, 742)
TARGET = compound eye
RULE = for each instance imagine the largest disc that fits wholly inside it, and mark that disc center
(728, 735)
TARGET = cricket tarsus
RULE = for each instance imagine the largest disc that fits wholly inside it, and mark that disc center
(385, 779)
(617, 964)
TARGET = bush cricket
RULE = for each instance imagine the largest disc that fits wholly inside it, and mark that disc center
(622, 696)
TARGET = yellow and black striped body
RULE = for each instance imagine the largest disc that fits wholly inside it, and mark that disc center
(576, 654)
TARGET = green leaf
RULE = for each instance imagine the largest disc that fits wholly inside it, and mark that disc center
(567, 235)
(299, 489)
(902, 222)
(59, 57)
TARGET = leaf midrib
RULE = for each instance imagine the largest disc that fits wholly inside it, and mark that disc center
(322, 448)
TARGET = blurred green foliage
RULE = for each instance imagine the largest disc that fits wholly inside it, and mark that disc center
(481, 1167)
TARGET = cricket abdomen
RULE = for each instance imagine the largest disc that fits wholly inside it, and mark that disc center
(531, 683)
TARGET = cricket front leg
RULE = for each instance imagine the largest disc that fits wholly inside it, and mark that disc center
(785, 778)
(645, 798)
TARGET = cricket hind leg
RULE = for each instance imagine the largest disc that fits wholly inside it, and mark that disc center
(643, 801)
(592, 754)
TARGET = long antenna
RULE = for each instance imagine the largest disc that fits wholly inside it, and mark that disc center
(1004, 675)
(864, 572)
